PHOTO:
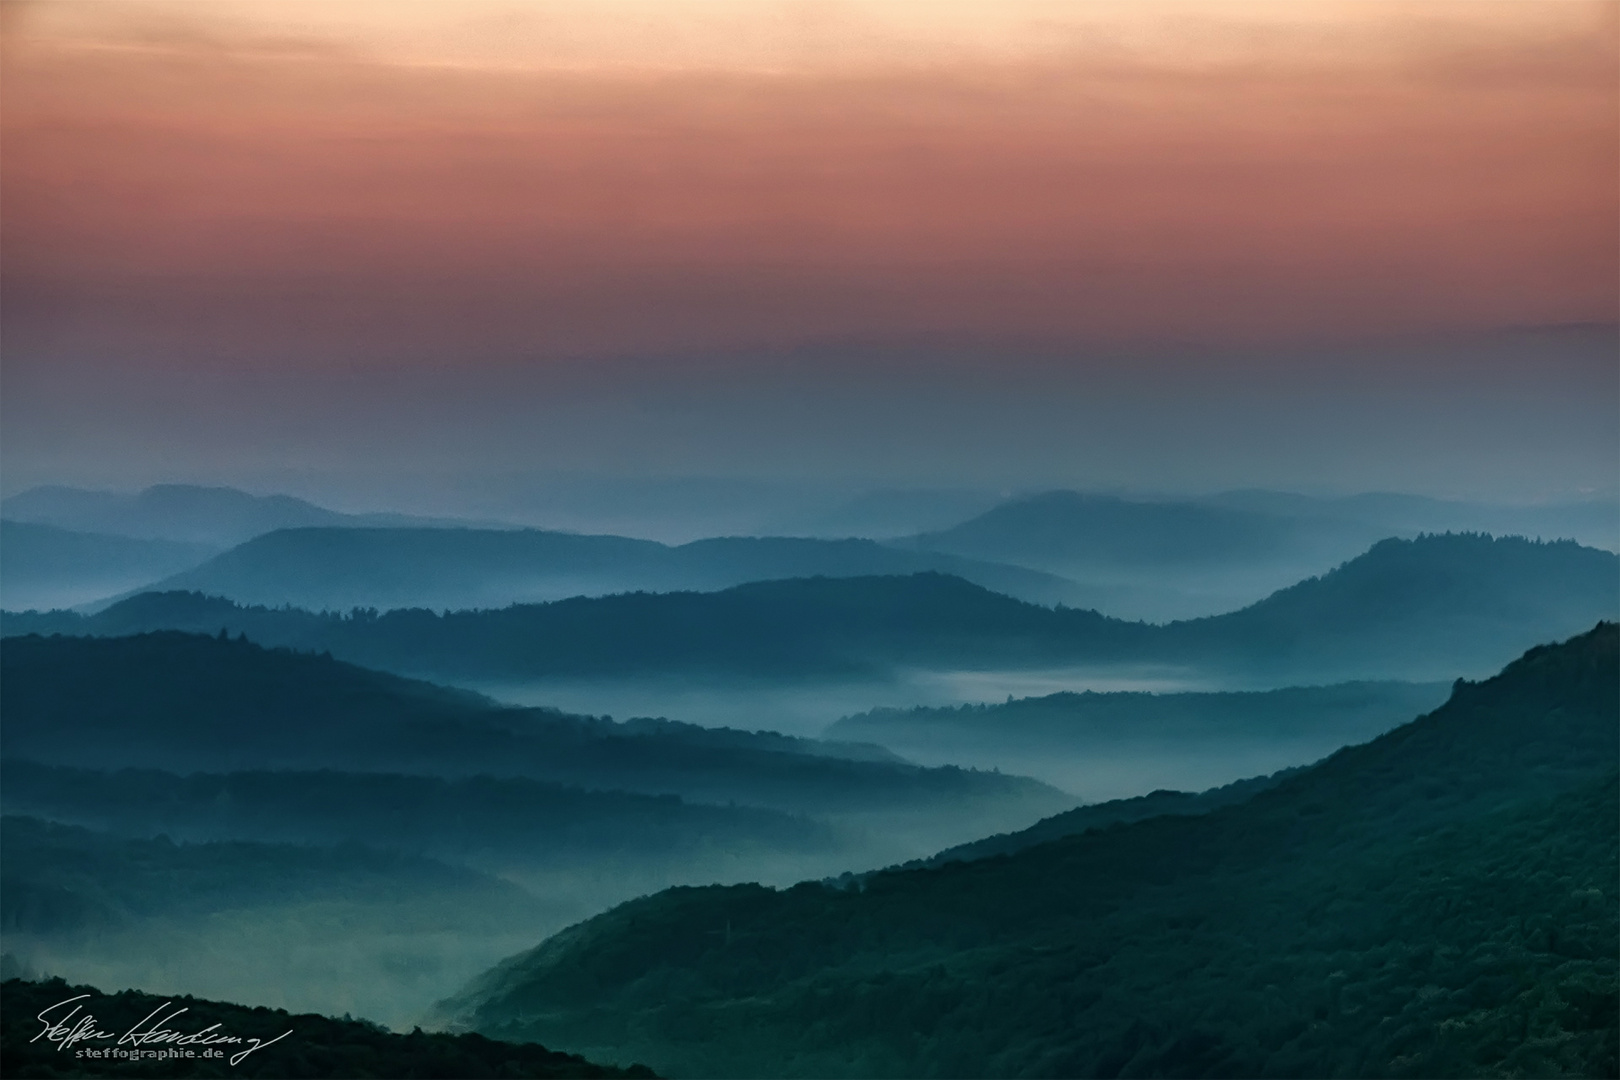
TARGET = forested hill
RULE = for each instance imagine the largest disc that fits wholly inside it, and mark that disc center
(1438, 902)
(794, 627)
(1441, 595)
(1431, 608)
(183, 702)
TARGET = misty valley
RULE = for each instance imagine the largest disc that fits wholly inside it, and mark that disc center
(791, 806)
(809, 539)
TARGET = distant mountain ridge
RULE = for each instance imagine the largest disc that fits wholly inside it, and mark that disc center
(45, 567)
(343, 568)
(1067, 528)
(1163, 559)
(1135, 557)
(217, 516)
(1070, 531)
(1420, 610)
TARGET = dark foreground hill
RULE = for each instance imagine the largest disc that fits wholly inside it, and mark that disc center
(1425, 609)
(342, 568)
(183, 702)
(1440, 901)
(314, 1046)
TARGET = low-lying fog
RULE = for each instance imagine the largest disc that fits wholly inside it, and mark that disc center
(1092, 769)
(807, 708)
(387, 962)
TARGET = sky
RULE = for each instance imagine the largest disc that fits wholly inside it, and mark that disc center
(321, 246)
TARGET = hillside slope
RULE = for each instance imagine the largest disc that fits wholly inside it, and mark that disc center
(1168, 559)
(180, 702)
(318, 1046)
(1437, 902)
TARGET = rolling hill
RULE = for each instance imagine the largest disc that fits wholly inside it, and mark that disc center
(1420, 610)
(342, 568)
(1074, 531)
(319, 1045)
(1440, 901)
(492, 823)
(179, 702)
(1166, 559)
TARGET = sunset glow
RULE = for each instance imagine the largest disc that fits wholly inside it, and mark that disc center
(280, 188)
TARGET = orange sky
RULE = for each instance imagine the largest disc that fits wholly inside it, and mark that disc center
(397, 181)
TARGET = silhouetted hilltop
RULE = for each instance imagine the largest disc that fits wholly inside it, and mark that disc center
(342, 568)
(314, 1046)
(1440, 901)
(791, 628)
(1424, 609)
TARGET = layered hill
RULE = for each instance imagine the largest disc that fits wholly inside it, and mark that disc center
(1164, 559)
(1440, 901)
(343, 568)
(497, 824)
(1425, 609)
(180, 702)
